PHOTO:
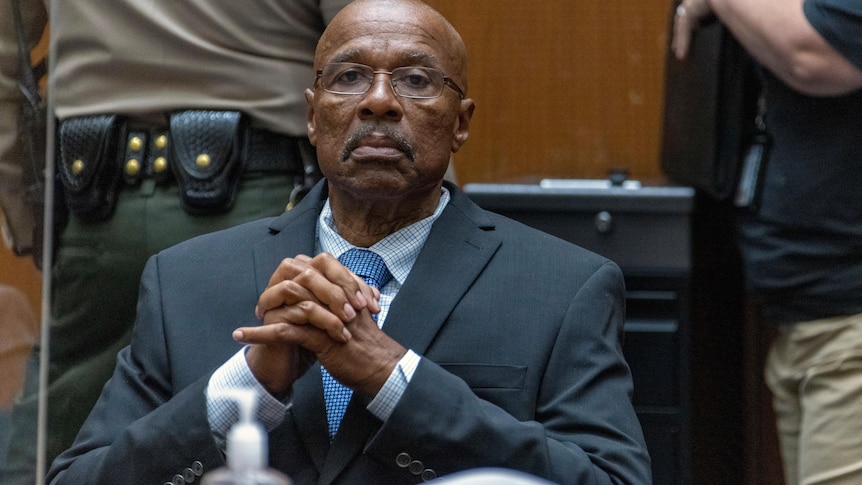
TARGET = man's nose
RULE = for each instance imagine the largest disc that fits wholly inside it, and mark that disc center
(380, 99)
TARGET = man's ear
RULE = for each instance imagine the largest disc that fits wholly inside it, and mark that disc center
(462, 128)
(312, 132)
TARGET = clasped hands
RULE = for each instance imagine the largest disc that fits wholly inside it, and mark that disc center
(317, 309)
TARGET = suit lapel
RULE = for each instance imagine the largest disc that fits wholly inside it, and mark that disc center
(292, 233)
(457, 250)
(356, 428)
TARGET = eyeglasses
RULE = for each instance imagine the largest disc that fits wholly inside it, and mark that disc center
(408, 82)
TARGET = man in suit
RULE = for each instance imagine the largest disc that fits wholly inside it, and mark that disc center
(499, 347)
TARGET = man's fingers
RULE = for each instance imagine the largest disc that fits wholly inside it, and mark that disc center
(280, 325)
(286, 270)
(358, 294)
(681, 36)
(321, 279)
(282, 294)
(686, 21)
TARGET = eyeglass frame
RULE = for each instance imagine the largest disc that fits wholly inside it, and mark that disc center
(447, 81)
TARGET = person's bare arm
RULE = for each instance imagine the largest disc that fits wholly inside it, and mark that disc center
(778, 35)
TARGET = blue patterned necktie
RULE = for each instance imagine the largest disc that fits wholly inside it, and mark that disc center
(371, 268)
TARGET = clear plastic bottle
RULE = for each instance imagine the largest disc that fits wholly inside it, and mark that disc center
(247, 461)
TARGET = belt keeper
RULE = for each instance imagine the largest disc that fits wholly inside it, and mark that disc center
(135, 157)
(147, 156)
(158, 157)
(271, 152)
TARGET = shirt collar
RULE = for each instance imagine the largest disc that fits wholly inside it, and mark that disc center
(399, 250)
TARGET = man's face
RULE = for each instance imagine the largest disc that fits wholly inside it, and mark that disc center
(379, 144)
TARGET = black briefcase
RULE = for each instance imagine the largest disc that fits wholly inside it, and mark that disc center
(710, 104)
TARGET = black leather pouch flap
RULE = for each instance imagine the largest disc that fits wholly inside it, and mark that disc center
(88, 164)
(208, 152)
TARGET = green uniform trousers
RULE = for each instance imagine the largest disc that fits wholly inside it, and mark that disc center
(96, 273)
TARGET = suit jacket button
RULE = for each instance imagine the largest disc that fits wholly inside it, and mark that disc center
(416, 467)
(178, 480)
(428, 475)
(189, 475)
(402, 460)
(197, 468)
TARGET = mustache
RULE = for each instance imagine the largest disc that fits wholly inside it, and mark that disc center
(401, 141)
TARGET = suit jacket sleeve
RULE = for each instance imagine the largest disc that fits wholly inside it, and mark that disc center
(143, 429)
(583, 428)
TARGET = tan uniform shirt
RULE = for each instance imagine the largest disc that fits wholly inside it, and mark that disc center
(137, 57)
(144, 58)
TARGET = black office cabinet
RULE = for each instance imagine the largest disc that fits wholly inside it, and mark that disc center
(647, 231)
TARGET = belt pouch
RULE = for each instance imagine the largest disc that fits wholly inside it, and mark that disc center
(207, 147)
(89, 167)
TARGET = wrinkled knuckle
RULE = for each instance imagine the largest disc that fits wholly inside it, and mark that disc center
(287, 286)
(283, 331)
(306, 275)
(273, 317)
(306, 306)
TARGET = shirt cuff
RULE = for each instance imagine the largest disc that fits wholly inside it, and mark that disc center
(223, 412)
(385, 401)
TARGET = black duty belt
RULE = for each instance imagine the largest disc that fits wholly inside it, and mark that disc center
(204, 151)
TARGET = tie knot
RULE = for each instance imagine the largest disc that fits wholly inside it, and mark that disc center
(367, 265)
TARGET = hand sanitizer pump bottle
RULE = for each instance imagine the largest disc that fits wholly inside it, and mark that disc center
(247, 448)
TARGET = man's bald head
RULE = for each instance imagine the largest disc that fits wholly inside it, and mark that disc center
(374, 17)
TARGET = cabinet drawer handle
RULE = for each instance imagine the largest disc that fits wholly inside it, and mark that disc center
(604, 222)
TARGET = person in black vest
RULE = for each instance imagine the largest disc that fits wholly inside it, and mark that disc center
(802, 245)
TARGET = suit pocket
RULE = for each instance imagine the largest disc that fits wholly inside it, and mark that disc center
(489, 376)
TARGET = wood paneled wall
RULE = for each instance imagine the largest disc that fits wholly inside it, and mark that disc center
(564, 89)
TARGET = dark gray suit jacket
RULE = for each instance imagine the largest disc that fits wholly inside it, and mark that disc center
(522, 366)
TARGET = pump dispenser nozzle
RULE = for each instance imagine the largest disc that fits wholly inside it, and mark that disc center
(246, 440)
(247, 446)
